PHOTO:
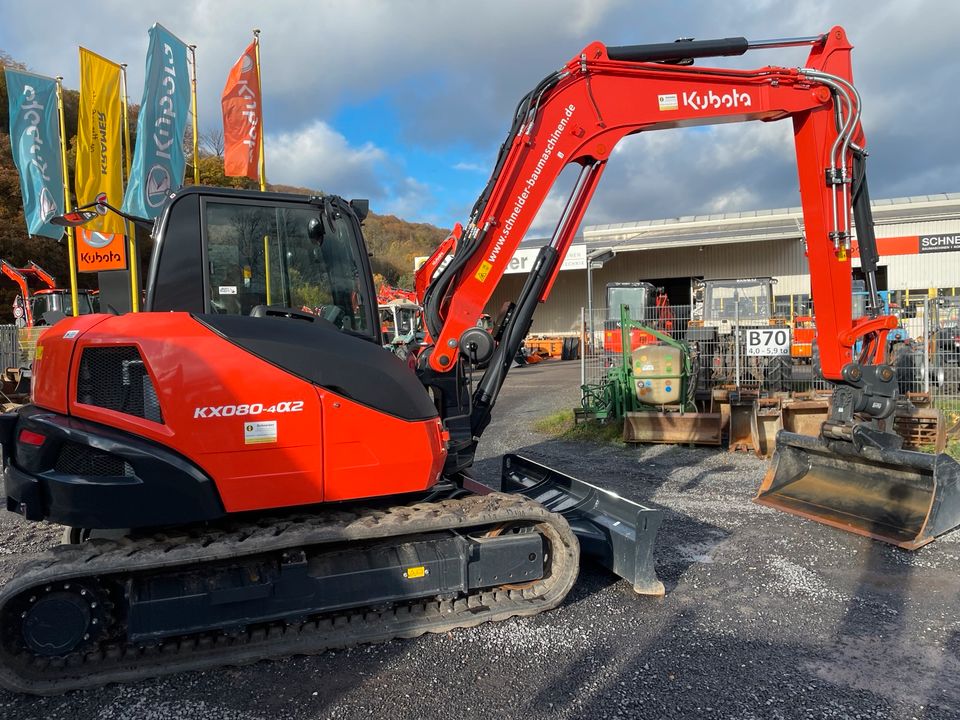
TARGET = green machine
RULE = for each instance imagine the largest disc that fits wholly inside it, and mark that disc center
(650, 389)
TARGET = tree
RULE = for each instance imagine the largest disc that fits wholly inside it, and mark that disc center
(212, 142)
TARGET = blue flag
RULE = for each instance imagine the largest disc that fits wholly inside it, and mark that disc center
(35, 141)
(158, 161)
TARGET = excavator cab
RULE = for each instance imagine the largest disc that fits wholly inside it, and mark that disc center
(265, 254)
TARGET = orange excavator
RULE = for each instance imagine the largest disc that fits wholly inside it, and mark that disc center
(31, 306)
(276, 483)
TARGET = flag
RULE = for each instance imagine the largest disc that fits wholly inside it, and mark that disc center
(242, 118)
(158, 161)
(98, 138)
(35, 142)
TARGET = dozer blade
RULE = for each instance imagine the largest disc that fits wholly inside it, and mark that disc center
(901, 497)
(677, 428)
(613, 531)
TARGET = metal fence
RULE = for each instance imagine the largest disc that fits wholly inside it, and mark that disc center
(777, 356)
(928, 361)
(9, 347)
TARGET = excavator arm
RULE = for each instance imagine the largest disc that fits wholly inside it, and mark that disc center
(577, 115)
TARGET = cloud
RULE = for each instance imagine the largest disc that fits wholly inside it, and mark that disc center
(452, 75)
(318, 157)
(471, 167)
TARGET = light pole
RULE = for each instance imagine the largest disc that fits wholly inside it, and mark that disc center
(595, 260)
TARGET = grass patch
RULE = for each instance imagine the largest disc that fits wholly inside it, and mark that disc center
(953, 449)
(561, 426)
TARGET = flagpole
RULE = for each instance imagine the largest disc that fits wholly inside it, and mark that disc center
(193, 106)
(131, 229)
(71, 243)
(263, 154)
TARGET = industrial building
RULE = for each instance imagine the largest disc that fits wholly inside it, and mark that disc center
(918, 239)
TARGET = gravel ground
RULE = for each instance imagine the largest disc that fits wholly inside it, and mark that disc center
(766, 616)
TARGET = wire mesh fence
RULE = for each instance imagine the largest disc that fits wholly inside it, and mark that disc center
(750, 353)
(9, 347)
(773, 355)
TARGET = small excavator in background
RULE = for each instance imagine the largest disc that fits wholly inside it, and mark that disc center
(281, 484)
(31, 306)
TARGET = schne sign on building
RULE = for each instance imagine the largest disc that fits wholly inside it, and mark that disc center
(939, 243)
(523, 259)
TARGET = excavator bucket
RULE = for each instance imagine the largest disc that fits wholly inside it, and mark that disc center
(739, 429)
(674, 428)
(901, 497)
(613, 531)
(805, 417)
(765, 422)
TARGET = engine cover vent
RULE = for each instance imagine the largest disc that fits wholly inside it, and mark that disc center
(75, 459)
(116, 378)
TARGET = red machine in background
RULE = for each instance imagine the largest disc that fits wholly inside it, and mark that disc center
(637, 295)
(163, 419)
(30, 306)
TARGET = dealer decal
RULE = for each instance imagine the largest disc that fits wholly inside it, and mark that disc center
(261, 431)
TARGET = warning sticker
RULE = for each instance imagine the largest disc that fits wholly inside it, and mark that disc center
(255, 433)
(668, 102)
(484, 270)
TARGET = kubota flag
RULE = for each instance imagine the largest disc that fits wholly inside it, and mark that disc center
(35, 142)
(98, 138)
(242, 118)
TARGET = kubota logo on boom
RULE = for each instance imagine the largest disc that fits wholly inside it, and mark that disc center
(732, 99)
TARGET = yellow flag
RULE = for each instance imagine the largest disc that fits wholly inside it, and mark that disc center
(99, 128)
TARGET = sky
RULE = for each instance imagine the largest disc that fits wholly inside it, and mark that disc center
(407, 102)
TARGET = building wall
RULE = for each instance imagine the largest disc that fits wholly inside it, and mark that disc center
(779, 258)
(783, 260)
(929, 270)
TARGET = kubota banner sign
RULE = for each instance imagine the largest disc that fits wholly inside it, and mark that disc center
(158, 161)
(98, 138)
(242, 118)
(35, 142)
(98, 251)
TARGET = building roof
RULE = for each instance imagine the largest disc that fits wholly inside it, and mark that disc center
(750, 225)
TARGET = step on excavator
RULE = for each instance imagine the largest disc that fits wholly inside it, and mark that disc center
(277, 483)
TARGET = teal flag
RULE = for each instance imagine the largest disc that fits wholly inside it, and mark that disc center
(158, 160)
(35, 142)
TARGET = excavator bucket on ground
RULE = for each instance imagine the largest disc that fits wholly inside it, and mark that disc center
(898, 496)
(674, 428)
(739, 428)
(613, 531)
(805, 417)
(765, 422)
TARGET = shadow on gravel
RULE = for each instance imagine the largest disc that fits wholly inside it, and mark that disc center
(676, 673)
(694, 482)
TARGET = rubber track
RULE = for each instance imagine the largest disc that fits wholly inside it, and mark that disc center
(114, 662)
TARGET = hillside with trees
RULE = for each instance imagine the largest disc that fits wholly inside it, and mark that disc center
(393, 242)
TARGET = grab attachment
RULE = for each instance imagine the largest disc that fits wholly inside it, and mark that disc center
(614, 531)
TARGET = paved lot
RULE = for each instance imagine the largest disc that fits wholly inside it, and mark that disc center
(766, 616)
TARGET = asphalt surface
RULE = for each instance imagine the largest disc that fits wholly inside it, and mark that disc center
(765, 616)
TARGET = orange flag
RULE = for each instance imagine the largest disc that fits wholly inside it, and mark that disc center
(242, 118)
